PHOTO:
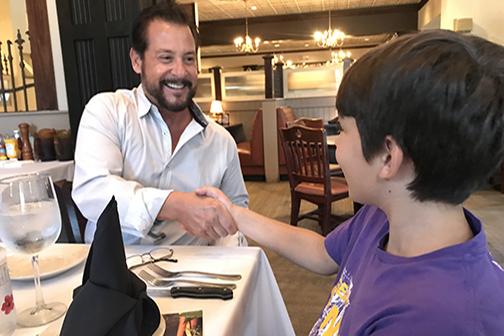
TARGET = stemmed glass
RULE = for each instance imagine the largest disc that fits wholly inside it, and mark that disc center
(30, 222)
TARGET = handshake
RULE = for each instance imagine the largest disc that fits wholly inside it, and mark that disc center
(207, 213)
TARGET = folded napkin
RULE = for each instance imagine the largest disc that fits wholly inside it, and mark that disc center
(111, 300)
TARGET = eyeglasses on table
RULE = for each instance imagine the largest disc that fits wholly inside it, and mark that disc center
(151, 257)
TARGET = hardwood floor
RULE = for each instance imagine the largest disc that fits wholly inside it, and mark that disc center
(305, 293)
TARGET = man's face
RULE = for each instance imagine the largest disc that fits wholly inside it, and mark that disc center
(168, 69)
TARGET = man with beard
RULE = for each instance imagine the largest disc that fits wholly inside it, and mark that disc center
(151, 147)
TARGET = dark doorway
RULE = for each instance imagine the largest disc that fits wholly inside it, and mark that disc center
(95, 43)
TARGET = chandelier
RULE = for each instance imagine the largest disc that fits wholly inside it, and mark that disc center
(339, 57)
(245, 45)
(330, 38)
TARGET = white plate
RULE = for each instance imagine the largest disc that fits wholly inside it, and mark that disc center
(53, 261)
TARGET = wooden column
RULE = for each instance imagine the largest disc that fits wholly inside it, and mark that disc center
(278, 89)
(41, 54)
(217, 71)
(192, 11)
(268, 76)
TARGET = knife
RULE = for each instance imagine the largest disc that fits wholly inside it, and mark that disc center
(193, 292)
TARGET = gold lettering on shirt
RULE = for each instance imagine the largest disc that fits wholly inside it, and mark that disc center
(336, 306)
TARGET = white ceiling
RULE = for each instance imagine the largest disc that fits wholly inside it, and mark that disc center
(211, 10)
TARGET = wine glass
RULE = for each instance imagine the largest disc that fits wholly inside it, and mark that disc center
(30, 222)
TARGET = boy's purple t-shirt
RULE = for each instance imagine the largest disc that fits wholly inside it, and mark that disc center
(458, 290)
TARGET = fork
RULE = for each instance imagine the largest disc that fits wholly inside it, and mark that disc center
(168, 283)
(167, 274)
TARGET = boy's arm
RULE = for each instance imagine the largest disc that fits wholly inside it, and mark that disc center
(303, 247)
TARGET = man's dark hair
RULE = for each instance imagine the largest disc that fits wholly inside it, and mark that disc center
(440, 95)
(167, 11)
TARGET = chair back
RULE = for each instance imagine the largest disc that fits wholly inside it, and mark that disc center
(308, 122)
(306, 156)
(285, 115)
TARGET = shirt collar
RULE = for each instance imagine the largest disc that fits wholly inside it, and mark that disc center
(145, 106)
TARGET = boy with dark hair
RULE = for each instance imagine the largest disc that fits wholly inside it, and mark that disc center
(422, 127)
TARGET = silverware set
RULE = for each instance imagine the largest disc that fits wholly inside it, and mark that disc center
(167, 274)
(167, 283)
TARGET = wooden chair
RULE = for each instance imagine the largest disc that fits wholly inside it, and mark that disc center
(285, 115)
(72, 220)
(308, 122)
(308, 169)
(318, 123)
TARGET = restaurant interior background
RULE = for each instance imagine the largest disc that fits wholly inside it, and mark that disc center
(65, 78)
(290, 24)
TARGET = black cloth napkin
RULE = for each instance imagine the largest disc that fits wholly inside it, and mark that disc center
(111, 300)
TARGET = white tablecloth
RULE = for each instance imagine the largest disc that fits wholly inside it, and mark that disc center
(257, 308)
(58, 170)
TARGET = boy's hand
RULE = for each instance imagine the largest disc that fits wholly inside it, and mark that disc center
(215, 193)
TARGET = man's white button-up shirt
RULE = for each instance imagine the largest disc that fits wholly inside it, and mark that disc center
(124, 149)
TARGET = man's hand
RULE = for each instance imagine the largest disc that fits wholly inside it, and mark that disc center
(217, 194)
(200, 216)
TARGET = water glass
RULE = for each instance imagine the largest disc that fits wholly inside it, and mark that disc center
(29, 223)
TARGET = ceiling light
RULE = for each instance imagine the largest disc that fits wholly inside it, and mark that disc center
(277, 45)
(253, 7)
(339, 57)
(329, 38)
(306, 45)
(245, 44)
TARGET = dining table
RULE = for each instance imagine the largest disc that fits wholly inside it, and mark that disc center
(58, 170)
(256, 309)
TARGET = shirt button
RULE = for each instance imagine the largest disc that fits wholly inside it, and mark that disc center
(164, 133)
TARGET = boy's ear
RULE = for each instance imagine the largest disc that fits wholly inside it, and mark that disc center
(392, 158)
(136, 61)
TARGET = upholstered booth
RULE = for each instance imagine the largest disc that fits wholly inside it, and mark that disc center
(251, 153)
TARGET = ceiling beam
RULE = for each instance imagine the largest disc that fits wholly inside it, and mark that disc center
(356, 22)
(289, 51)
